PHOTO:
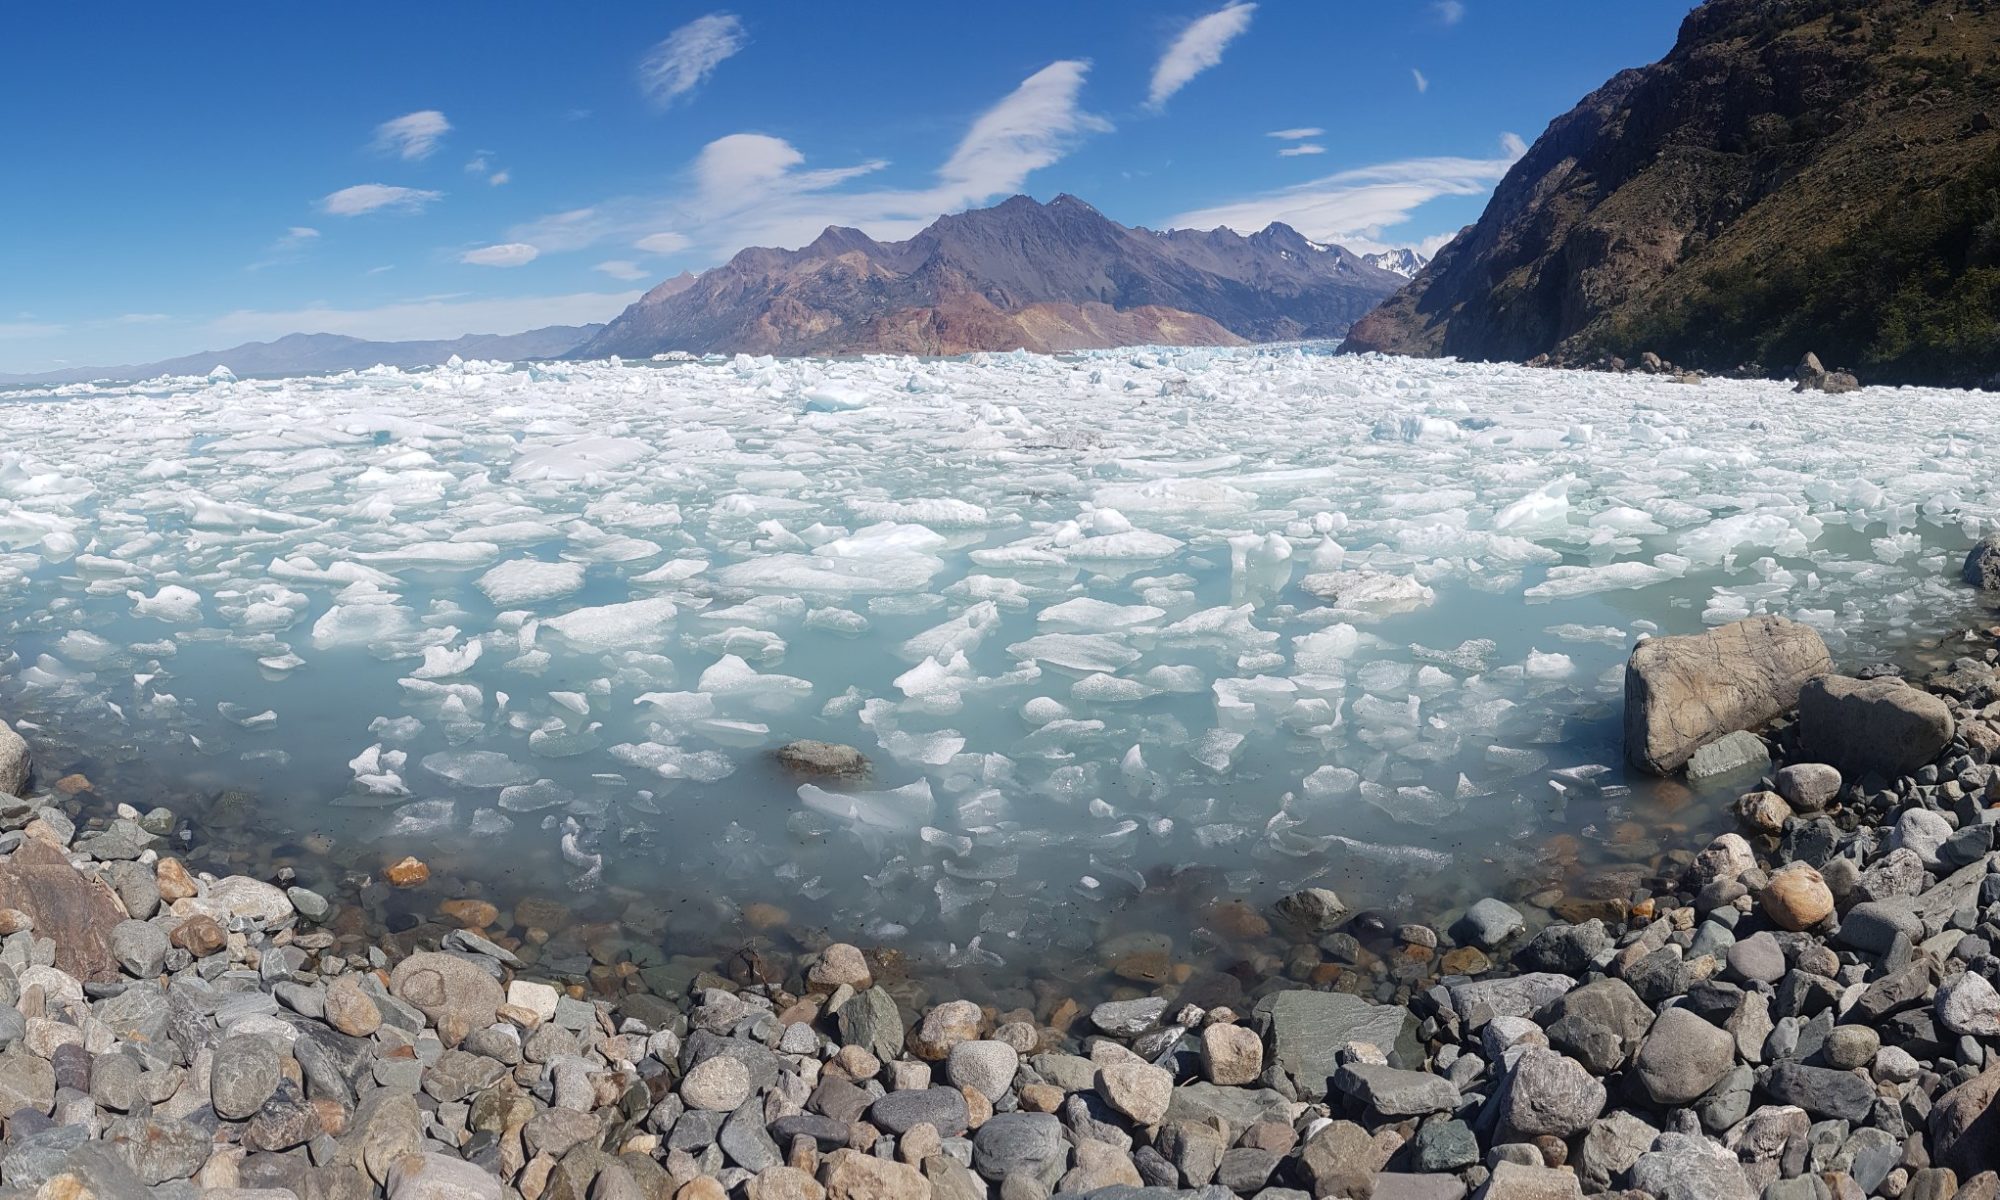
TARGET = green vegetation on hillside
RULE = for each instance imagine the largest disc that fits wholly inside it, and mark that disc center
(1913, 295)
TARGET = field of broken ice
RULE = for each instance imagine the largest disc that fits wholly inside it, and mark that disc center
(1242, 618)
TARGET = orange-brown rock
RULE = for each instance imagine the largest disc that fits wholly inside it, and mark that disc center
(66, 906)
(471, 914)
(408, 873)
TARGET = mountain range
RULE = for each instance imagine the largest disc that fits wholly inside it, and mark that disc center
(1400, 261)
(1805, 175)
(1022, 274)
(322, 353)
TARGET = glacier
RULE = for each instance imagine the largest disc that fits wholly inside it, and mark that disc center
(1108, 625)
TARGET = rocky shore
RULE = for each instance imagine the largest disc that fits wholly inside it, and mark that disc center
(1802, 1009)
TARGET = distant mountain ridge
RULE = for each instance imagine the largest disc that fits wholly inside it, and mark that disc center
(319, 353)
(1400, 261)
(1794, 176)
(1022, 274)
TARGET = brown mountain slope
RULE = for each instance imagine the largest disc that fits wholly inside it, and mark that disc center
(1020, 275)
(1794, 175)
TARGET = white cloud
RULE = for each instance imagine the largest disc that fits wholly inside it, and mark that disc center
(140, 318)
(689, 55)
(1354, 207)
(507, 254)
(412, 136)
(298, 235)
(427, 317)
(1302, 148)
(1198, 48)
(499, 177)
(1294, 135)
(1448, 12)
(755, 189)
(1423, 85)
(619, 268)
(662, 243)
(370, 197)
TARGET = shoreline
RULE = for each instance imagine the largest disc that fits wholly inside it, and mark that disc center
(1703, 1031)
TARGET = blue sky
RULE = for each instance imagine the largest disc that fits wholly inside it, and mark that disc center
(188, 177)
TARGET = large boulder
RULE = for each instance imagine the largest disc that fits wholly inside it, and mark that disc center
(69, 908)
(1982, 565)
(1307, 1029)
(1881, 726)
(13, 762)
(1965, 1126)
(1683, 692)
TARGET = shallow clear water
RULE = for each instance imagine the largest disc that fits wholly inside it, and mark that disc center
(1246, 618)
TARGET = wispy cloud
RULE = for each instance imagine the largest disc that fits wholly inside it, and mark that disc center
(1354, 207)
(619, 268)
(507, 254)
(1300, 149)
(499, 177)
(374, 197)
(287, 249)
(689, 56)
(481, 165)
(426, 317)
(412, 137)
(1293, 135)
(1423, 85)
(755, 189)
(1448, 12)
(30, 329)
(662, 243)
(1198, 48)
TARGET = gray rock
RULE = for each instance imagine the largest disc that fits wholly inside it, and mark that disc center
(720, 1084)
(1758, 958)
(1981, 570)
(445, 988)
(1547, 1093)
(987, 1067)
(744, 1139)
(1480, 1000)
(1564, 949)
(1488, 923)
(1519, 1181)
(1611, 1146)
(1682, 1057)
(1128, 1018)
(244, 1074)
(1741, 753)
(26, 1082)
(1821, 1091)
(1873, 926)
(1600, 1023)
(1684, 692)
(13, 761)
(942, 1107)
(1447, 1145)
(436, 1176)
(819, 759)
(1879, 726)
(1968, 1004)
(1390, 1092)
(1923, 833)
(871, 1020)
(1850, 1047)
(139, 948)
(1306, 1030)
(1314, 910)
(1688, 1167)
(1020, 1143)
(1809, 787)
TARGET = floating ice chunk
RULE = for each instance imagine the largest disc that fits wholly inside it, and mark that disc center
(1368, 591)
(1217, 750)
(435, 554)
(730, 678)
(173, 604)
(836, 398)
(791, 573)
(1566, 582)
(837, 620)
(1546, 507)
(674, 570)
(583, 460)
(633, 625)
(1329, 782)
(938, 512)
(530, 581)
(362, 624)
(442, 662)
(962, 633)
(907, 808)
(937, 683)
(1549, 666)
(1077, 651)
(481, 769)
(1110, 689)
(1043, 709)
(1089, 615)
(1325, 651)
(534, 797)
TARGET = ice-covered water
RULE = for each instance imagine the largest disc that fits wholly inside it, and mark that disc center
(1270, 614)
